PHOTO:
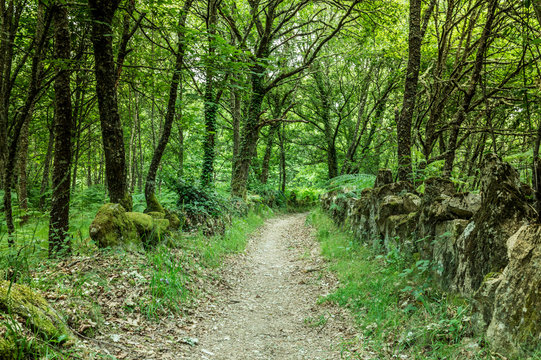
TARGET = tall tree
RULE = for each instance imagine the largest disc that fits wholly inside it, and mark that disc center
(59, 222)
(403, 125)
(102, 13)
(211, 107)
(150, 185)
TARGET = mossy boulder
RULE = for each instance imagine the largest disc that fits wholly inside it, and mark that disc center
(174, 220)
(144, 223)
(148, 228)
(156, 214)
(112, 228)
(503, 210)
(33, 315)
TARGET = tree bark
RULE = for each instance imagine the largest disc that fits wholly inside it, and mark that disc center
(403, 125)
(22, 165)
(59, 222)
(268, 152)
(102, 13)
(46, 169)
(150, 186)
(211, 107)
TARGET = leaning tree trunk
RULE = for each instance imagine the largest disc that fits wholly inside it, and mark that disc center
(536, 160)
(102, 13)
(150, 186)
(59, 223)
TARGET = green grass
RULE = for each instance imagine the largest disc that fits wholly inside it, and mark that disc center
(398, 311)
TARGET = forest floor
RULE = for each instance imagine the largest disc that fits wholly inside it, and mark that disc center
(268, 308)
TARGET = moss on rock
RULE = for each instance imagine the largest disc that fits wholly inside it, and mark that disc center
(112, 228)
(36, 314)
(156, 214)
(174, 220)
(144, 223)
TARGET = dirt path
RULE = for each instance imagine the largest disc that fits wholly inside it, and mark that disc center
(270, 310)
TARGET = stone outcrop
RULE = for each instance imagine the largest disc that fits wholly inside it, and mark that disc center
(516, 311)
(480, 245)
(114, 227)
(504, 208)
(29, 314)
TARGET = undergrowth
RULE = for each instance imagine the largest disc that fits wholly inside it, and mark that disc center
(399, 313)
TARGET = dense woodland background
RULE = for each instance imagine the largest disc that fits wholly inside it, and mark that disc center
(108, 99)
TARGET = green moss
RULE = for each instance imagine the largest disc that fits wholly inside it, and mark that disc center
(127, 202)
(161, 225)
(111, 227)
(153, 205)
(174, 221)
(143, 222)
(32, 307)
(156, 215)
(8, 349)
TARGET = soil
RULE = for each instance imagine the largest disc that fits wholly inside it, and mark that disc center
(267, 306)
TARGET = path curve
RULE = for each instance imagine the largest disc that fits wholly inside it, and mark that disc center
(271, 310)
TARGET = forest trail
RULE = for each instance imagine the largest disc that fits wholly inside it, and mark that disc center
(270, 310)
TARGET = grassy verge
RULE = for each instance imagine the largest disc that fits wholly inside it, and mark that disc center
(399, 313)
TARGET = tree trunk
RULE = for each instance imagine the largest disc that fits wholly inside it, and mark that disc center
(211, 107)
(242, 164)
(46, 169)
(403, 125)
(268, 152)
(236, 117)
(150, 186)
(59, 223)
(22, 165)
(283, 174)
(102, 13)
(536, 161)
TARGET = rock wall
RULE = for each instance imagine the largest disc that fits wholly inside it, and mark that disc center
(484, 246)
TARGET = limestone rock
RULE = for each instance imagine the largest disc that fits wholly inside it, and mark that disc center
(517, 306)
(444, 254)
(398, 231)
(504, 208)
(112, 228)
